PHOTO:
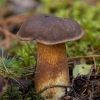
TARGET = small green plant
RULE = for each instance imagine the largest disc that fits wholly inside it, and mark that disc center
(9, 67)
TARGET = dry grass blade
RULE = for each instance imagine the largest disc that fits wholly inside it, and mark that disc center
(4, 65)
(2, 70)
(16, 81)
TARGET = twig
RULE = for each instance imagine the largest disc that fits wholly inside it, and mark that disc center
(75, 93)
(90, 56)
(7, 37)
(17, 81)
(8, 33)
(62, 86)
(26, 96)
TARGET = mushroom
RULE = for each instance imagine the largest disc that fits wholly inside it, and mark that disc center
(51, 33)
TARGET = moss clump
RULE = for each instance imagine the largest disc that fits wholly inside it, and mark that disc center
(12, 93)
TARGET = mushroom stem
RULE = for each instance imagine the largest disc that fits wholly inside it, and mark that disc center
(52, 69)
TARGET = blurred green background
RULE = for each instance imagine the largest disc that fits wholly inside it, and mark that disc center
(85, 12)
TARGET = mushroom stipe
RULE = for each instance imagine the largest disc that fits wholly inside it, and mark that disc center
(53, 70)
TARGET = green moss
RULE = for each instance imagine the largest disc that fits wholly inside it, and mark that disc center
(12, 93)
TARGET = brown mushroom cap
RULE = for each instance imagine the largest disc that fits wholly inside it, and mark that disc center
(50, 30)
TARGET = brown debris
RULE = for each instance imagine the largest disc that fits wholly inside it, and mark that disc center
(4, 28)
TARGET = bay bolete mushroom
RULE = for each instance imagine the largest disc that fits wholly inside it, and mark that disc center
(51, 33)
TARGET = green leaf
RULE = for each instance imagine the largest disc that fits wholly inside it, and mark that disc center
(81, 69)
